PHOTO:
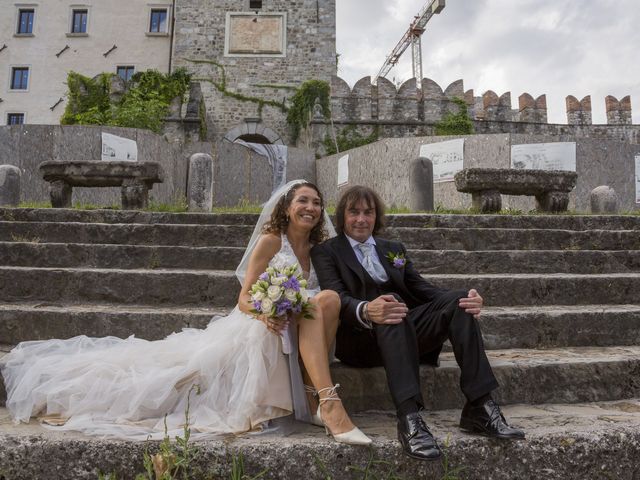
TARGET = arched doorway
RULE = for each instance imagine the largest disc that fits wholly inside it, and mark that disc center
(253, 132)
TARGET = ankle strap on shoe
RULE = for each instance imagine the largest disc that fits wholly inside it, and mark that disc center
(331, 393)
(311, 390)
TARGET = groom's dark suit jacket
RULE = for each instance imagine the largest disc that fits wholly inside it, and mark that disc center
(338, 269)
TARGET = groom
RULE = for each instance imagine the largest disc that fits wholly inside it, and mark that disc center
(392, 317)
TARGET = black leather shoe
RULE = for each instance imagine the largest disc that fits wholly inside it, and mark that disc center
(416, 439)
(487, 419)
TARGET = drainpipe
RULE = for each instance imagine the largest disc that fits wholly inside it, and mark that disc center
(173, 26)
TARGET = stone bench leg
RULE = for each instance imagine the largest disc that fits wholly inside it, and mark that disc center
(487, 201)
(552, 201)
(135, 195)
(60, 193)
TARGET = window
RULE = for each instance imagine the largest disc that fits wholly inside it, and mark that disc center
(79, 21)
(158, 23)
(125, 72)
(255, 4)
(20, 78)
(15, 118)
(25, 21)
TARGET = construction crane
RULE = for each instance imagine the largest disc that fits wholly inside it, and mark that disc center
(412, 37)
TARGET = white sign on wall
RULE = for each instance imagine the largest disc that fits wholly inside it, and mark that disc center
(118, 148)
(343, 170)
(447, 158)
(637, 178)
(544, 156)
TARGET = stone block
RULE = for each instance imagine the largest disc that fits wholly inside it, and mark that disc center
(9, 185)
(422, 185)
(200, 185)
(603, 199)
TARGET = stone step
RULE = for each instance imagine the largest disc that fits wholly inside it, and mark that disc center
(566, 222)
(502, 327)
(566, 375)
(238, 236)
(213, 288)
(564, 442)
(29, 254)
(25, 254)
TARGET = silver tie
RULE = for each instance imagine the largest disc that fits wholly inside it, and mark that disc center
(371, 264)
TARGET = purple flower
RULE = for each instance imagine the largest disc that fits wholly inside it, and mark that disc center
(398, 262)
(257, 304)
(264, 276)
(292, 283)
(283, 307)
(297, 308)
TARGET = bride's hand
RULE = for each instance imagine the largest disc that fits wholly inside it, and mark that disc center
(274, 325)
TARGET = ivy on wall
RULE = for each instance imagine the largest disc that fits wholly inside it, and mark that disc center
(303, 103)
(349, 138)
(144, 104)
(455, 123)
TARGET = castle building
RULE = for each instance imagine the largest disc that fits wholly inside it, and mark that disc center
(42, 40)
(247, 55)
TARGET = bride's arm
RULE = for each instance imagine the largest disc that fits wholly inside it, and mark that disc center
(268, 245)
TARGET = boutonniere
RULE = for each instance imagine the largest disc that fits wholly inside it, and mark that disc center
(397, 259)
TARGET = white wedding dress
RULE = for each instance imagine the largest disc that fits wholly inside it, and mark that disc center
(125, 387)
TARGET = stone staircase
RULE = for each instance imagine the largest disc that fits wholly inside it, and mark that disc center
(562, 331)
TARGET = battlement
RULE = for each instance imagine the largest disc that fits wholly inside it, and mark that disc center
(385, 102)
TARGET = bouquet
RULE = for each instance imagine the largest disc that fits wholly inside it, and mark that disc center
(281, 292)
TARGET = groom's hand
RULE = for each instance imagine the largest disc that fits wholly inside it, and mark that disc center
(472, 304)
(386, 310)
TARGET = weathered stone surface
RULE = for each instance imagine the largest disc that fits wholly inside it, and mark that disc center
(585, 441)
(422, 185)
(550, 188)
(134, 178)
(200, 186)
(9, 185)
(603, 199)
(424, 220)
(221, 288)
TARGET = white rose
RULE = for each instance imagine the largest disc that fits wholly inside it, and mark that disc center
(274, 292)
(304, 294)
(303, 283)
(258, 296)
(267, 306)
(278, 280)
(290, 294)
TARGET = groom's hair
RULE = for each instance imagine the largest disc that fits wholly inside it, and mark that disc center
(355, 194)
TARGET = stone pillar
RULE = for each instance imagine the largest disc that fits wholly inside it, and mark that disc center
(421, 185)
(618, 112)
(579, 112)
(200, 183)
(9, 186)
(603, 199)
(60, 193)
(135, 195)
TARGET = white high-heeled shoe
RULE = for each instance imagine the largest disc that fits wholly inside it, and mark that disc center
(352, 437)
(315, 417)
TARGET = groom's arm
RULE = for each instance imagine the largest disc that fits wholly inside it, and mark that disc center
(326, 267)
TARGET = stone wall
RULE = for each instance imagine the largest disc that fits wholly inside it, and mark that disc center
(386, 166)
(309, 53)
(409, 112)
(26, 146)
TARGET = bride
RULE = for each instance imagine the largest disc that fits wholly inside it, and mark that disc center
(129, 388)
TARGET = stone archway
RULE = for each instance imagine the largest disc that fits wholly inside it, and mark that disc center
(254, 132)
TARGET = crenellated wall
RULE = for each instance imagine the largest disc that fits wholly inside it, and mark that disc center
(407, 111)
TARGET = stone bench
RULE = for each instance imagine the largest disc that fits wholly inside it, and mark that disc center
(550, 187)
(135, 178)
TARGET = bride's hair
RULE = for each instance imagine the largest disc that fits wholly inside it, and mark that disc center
(280, 220)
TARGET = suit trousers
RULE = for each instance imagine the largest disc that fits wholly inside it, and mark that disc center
(402, 347)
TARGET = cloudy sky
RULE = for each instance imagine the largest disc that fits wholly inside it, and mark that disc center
(556, 47)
